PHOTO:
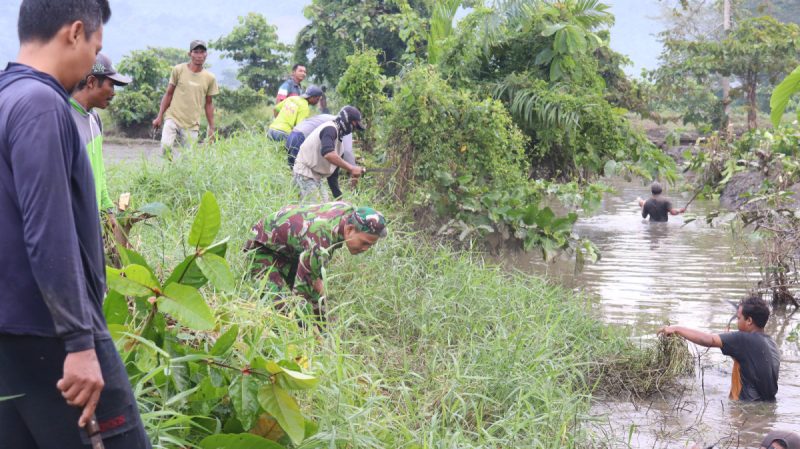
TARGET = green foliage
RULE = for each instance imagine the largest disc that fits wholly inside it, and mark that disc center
(134, 108)
(570, 25)
(262, 58)
(441, 27)
(137, 104)
(757, 50)
(339, 28)
(241, 99)
(361, 85)
(465, 159)
(417, 352)
(780, 96)
(181, 365)
(578, 133)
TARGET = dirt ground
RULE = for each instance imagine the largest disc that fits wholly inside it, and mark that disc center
(117, 150)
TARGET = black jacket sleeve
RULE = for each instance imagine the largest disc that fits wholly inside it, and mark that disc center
(328, 138)
(41, 149)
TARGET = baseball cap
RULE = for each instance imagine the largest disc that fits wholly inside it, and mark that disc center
(350, 113)
(312, 91)
(790, 439)
(102, 67)
(367, 219)
(197, 43)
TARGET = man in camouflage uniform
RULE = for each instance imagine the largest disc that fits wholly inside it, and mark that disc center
(293, 245)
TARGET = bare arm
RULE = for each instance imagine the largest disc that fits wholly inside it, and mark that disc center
(674, 211)
(165, 102)
(336, 160)
(697, 337)
(210, 117)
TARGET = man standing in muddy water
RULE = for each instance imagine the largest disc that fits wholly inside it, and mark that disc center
(756, 360)
(59, 367)
(657, 207)
(191, 89)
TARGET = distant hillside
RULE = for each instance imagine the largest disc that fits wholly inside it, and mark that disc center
(783, 10)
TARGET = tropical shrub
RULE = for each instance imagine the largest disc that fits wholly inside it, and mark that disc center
(361, 85)
(203, 381)
(464, 159)
(137, 104)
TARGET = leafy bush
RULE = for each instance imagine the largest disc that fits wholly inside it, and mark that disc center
(137, 104)
(227, 383)
(361, 85)
(426, 346)
(465, 159)
(240, 99)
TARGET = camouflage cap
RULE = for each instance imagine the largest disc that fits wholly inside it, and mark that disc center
(789, 439)
(367, 219)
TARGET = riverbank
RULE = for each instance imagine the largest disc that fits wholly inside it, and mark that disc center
(427, 347)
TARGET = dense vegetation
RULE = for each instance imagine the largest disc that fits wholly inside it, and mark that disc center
(441, 350)
(479, 125)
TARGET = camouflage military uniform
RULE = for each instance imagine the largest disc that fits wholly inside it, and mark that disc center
(293, 245)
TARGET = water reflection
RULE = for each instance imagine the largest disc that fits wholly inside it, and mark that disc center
(677, 272)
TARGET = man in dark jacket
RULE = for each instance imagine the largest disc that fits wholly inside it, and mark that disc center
(57, 360)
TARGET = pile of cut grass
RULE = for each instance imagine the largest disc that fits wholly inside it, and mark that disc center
(427, 347)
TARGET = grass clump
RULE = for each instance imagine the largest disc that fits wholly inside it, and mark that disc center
(426, 347)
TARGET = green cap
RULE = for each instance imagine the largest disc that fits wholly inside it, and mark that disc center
(367, 219)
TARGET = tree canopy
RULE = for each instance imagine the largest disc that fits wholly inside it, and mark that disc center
(263, 59)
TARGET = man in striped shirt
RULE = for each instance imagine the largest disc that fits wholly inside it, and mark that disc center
(291, 87)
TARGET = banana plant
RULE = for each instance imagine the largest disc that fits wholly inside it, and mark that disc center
(780, 96)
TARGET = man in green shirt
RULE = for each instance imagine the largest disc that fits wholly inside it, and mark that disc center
(292, 111)
(190, 90)
(96, 91)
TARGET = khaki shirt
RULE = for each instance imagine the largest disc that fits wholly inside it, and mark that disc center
(310, 162)
(190, 94)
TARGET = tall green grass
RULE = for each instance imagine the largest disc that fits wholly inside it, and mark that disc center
(426, 348)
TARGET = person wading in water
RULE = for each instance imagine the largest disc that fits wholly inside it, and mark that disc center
(659, 208)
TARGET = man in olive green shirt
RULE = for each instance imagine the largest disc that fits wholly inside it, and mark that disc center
(291, 112)
(190, 90)
(96, 91)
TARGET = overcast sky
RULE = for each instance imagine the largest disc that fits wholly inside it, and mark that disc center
(136, 24)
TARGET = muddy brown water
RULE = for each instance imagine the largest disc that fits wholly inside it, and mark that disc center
(677, 273)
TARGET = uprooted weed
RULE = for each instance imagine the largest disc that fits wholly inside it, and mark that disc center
(644, 371)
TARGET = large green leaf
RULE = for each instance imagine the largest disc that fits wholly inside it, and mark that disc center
(188, 273)
(780, 96)
(186, 305)
(115, 308)
(225, 341)
(206, 223)
(131, 257)
(238, 441)
(244, 395)
(142, 276)
(155, 209)
(282, 406)
(550, 30)
(217, 271)
(119, 283)
(295, 380)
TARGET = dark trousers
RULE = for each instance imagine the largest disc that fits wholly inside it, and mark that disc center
(293, 143)
(41, 419)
